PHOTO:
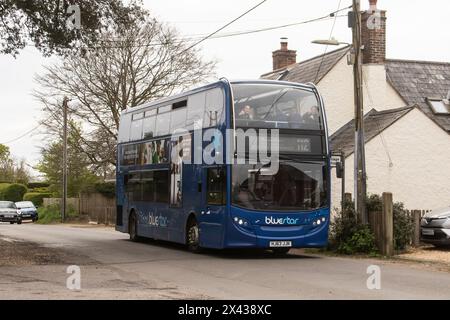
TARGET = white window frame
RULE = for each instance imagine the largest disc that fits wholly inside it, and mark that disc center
(430, 102)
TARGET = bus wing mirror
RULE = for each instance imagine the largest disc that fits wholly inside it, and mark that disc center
(339, 170)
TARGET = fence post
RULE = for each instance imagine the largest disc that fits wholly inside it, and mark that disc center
(387, 247)
(416, 215)
(376, 224)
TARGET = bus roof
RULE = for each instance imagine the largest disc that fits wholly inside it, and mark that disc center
(222, 82)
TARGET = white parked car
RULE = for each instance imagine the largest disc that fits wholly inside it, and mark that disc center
(435, 227)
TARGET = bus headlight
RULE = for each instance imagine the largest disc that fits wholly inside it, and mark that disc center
(241, 222)
(318, 221)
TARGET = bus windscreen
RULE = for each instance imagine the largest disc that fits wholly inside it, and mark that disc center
(295, 186)
(276, 106)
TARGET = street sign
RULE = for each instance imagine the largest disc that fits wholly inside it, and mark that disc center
(335, 158)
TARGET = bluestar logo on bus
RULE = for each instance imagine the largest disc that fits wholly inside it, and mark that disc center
(157, 221)
(281, 221)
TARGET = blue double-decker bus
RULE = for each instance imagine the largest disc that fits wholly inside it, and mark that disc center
(168, 188)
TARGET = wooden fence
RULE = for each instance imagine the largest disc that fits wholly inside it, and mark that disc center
(99, 208)
(95, 206)
(377, 223)
(73, 203)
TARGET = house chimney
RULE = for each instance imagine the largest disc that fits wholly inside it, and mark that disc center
(373, 34)
(283, 57)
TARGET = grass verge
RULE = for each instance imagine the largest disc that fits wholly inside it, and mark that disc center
(52, 214)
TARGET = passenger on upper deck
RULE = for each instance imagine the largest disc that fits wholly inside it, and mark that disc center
(247, 113)
(311, 117)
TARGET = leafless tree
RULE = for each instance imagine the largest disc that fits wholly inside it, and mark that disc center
(130, 67)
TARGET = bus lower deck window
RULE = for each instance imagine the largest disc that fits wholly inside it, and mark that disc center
(216, 186)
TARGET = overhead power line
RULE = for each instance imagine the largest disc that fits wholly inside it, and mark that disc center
(213, 35)
(196, 37)
(226, 25)
(27, 133)
(329, 38)
(22, 135)
(332, 15)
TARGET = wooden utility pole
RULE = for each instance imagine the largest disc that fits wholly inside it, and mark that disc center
(416, 218)
(387, 240)
(359, 155)
(64, 169)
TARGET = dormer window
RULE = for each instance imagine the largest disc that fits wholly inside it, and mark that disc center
(439, 106)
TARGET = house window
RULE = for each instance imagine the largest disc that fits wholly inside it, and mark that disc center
(439, 106)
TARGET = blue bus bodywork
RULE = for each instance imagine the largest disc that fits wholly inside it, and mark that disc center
(220, 226)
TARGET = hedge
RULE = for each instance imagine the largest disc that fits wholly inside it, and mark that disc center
(35, 185)
(39, 190)
(36, 197)
(14, 192)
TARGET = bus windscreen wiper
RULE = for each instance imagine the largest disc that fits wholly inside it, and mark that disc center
(280, 95)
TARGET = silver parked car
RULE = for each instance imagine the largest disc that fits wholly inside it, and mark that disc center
(435, 227)
(9, 212)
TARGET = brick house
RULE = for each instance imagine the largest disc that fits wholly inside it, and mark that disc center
(407, 116)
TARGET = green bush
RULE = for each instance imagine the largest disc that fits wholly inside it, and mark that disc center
(403, 223)
(360, 240)
(49, 214)
(14, 192)
(52, 214)
(3, 186)
(403, 227)
(348, 236)
(36, 197)
(108, 189)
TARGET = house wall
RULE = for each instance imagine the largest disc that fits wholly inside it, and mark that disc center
(419, 173)
(337, 91)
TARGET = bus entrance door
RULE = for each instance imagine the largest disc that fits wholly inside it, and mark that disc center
(212, 214)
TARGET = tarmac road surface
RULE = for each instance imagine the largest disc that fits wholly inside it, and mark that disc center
(113, 267)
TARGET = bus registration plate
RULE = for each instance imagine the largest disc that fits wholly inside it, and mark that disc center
(280, 244)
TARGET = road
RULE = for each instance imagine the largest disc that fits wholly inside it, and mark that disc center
(114, 267)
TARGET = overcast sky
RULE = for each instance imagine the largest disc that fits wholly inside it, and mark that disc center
(416, 30)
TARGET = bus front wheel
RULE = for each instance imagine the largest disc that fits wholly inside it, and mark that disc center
(192, 236)
(132, 226)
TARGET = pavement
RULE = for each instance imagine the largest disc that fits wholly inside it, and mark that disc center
(112, 267)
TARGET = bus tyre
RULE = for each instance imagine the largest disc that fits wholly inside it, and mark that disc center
(281, 251)
(192, 236)
(132, 227)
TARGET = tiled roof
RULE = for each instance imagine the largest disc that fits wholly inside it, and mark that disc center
(306, 71)
(417, 80)
(414, 81)
(374, 123)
